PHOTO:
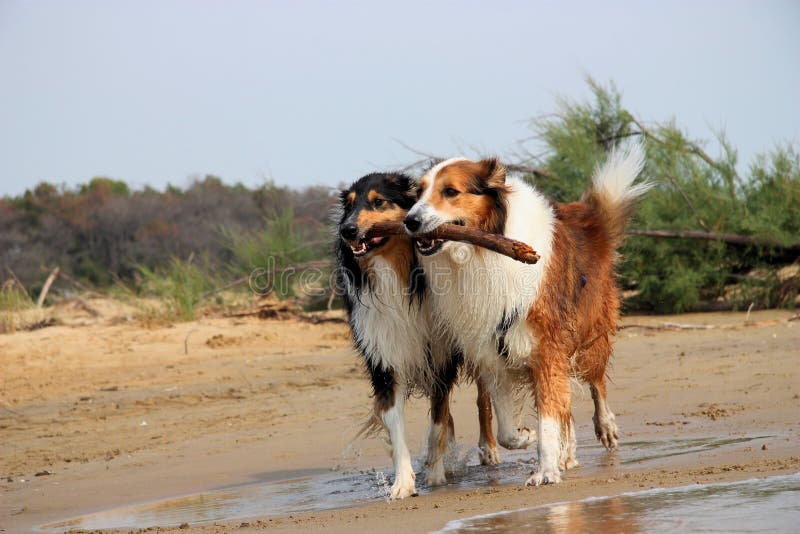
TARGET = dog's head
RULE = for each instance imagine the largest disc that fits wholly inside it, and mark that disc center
(377, 197)
(459, 191)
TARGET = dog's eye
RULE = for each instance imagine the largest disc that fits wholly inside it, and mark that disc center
(450, 192)
(379, 202)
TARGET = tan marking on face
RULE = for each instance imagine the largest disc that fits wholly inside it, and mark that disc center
(372, 195)
(366, 218)
(351, 197)
(474, 209)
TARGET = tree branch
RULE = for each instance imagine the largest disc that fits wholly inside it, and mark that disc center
(433, 158)
(683, 194)
(692, 148)
(731, 239)
(452, 232)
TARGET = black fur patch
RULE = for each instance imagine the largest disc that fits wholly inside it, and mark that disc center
(501, 330)
(383, 385)
(443, 383)
(417, 283)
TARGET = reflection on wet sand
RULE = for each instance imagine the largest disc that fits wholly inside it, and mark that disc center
(771, 504)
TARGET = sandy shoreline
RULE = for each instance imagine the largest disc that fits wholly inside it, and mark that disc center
(119, 414)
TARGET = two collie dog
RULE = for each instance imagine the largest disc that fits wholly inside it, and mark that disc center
(422, 310)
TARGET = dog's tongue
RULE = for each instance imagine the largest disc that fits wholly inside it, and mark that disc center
(375, 240)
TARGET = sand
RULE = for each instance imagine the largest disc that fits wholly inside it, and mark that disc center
(115, 413)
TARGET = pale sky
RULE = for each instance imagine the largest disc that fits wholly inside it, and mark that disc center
(154, 92)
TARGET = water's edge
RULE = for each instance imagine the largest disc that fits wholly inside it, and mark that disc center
(651, 506)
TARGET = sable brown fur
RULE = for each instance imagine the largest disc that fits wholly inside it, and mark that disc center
(576, 315)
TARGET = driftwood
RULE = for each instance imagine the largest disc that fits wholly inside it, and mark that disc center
(66, 276)
(46, 288)
(731, 239)
(680, 326)
(452, 232)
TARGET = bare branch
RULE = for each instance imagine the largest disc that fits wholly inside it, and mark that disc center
(683, 194)
(433, 158)
(732, 239)
(46, 288)
(692, 148)
(498, 243)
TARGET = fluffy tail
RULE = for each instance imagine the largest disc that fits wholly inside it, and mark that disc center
(612, 193)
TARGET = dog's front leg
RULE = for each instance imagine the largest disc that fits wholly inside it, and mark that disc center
(442, 431)
(394, 422)
(487, 444)
(389, 398)
(499, 384)
(550, 373)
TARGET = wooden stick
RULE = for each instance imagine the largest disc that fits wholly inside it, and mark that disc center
(452, 232)
(46, 288)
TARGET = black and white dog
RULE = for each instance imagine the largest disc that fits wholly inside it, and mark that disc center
(386, 299)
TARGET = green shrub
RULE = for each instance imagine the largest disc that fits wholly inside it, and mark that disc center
(694, 191)
(14, 302)
(279, 245)
(180, 285)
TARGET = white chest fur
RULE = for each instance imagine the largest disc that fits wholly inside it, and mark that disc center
(472, 292)
(391, 327)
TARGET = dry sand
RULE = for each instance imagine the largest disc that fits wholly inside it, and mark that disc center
(118, 414)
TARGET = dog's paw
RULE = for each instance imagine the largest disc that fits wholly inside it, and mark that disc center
(570, 463)
(522, 439)
(434, 475)
(403, 486)
(540, 478)
(607, 431)
(488, 455)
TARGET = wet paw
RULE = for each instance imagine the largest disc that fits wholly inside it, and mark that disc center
(540, 478)
(607, 432)
(488, 455)
(403, 486)
(523, 438)
(435, 476)
(571, 463)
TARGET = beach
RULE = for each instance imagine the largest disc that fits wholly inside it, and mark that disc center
(101, 411)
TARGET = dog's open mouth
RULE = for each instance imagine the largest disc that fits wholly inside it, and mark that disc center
(426, 246)
(363, 246)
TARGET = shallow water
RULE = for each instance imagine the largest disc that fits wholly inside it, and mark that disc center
(282, 493)
(769, 504)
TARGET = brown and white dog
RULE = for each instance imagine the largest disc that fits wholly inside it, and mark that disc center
(532, 325)
(386, 296)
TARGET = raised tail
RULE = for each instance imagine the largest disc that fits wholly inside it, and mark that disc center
(612, 193)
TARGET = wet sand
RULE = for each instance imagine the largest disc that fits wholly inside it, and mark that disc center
(120, 414)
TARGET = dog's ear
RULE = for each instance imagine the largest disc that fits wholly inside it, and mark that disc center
(407, 187)
(492, 173)
(344, 197)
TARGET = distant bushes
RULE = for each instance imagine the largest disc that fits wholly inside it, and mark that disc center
(102, 231)
(180, 285)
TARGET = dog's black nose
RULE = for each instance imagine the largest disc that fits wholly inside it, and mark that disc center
(412, 223)
(349, 231)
